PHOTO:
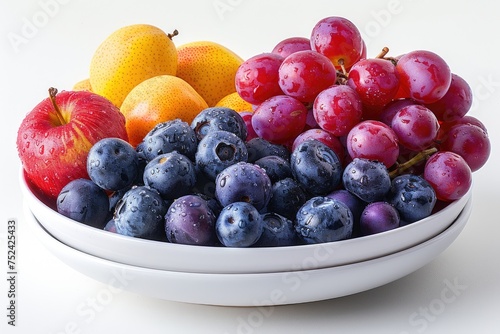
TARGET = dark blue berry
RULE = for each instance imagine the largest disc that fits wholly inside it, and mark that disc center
(166, 137)
(113, 164)
(218, 150)
(258, 148)
(216, 119)
(324, 219)
(189, 220)
(239, 225)
(276, 167)
(286, 198)
(82, 200)
(140, 213)
(316, 167)
(243, 182)
(369, 180)
(172, 174)
(412, 196)
(354, 203)
(278, 231)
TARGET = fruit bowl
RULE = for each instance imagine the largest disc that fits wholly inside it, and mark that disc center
(257, 288)
(186, 259)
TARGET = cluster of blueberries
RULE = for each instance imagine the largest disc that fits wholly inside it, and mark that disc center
(204, 184)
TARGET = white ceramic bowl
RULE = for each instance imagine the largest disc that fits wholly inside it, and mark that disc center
(203, 259)
(287, 287)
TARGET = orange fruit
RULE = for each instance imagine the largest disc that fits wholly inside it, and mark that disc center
(235, 102)
(156, 100)
(209, 67)
(129, 56)
(83, 85)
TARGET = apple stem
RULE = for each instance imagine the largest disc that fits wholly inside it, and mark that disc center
(383, 53)
(52, 96)
(413, 161)
(173, 34)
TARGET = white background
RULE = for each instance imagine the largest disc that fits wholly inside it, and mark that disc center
(57, 53)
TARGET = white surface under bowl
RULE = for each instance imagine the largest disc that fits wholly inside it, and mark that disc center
(254, 289)
(203, 259)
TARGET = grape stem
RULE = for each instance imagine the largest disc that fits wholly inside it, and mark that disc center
(413, 161)
(383, 53)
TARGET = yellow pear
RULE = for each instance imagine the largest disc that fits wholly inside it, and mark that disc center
(235, 102)
(156, 100)
(83, 85)
(129, 56)
(209, 67)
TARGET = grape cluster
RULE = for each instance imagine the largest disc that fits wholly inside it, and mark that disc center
(408, 112)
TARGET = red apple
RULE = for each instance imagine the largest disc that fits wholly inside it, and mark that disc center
(54, 139)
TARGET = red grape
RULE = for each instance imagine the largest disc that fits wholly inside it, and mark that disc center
(449, 175)
(257, 78)
(304, 74)
(388, 112)
(416, 127)
(375, 80)
(279, 119)
(291, 45)
(247, 117)
(373, 140)
(424, 75)
(470, 142)
(446, 126)
(338, 39)
(337, 109)
(455, 103)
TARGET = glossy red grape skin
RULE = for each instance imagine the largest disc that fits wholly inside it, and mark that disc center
(389, 110)
(247, 117)
(337, 109)
(470, 142)
(375, 80)
(279, 119)
(467, 119)
(449, 174)
(304, 74)
(257, 78)
(416, 127)
(455, 103)
(424, 75)
(338, 39)
(290, 45)
(373, 140)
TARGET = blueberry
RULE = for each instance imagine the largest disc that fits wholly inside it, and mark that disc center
(239, 225)
(216, 119)
(82, 200)
(354, 203)
(110, 226)
(324, 219)
(258, 148)
(276, 167)
(316, 167)
(172, 174)
(218, 150)
(286, 198)
(113, 164)
(243, 182)
(166, 137)
(189, 220)
(278, 231)
(140, 213)
(378, 217)
(412, 196)
(369, 180)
